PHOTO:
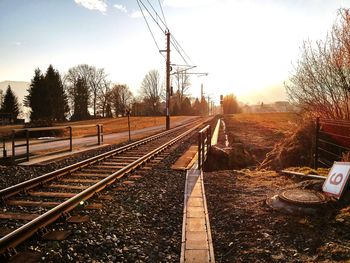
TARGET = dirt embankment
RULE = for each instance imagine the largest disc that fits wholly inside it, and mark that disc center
(244, 228)
(258, 143)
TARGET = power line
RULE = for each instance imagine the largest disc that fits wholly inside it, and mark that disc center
(149, 28)
(156, 13)
(161, 9)
(155, 21)
(174, 42)
(178, 51)
(181, 48)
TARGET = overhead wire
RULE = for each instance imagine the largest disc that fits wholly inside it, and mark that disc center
(161, 8)
(181, 48)
(179, 52)
(149, 28)
(155, 21)
(157, 15)
(173, 40)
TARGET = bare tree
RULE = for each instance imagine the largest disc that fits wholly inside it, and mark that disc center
(320, 84)
(121, 99)
(97, 82)
(182, 83)
(103, 97)
(94, 78)
(151, 92)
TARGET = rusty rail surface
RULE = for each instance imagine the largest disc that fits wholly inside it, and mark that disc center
(10, 241)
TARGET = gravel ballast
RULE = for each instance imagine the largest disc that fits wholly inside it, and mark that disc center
(140, 223)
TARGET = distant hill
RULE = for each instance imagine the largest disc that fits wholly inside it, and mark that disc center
(20, 90)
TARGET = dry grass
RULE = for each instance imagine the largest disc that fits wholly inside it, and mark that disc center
(114, 125)
(282, 121)
(110, 125)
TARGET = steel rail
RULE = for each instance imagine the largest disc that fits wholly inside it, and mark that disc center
(22, 233)
(12, 190)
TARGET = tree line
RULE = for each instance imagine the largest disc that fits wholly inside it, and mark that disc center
(85, 92)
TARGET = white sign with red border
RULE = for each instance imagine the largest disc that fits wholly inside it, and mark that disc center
(337, 179)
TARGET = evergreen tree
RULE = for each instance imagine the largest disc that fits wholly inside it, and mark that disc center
(46, 97)
(197, 107)
(81, 100)
(56, 97)
(10, 104)
(36, 97)
(186, 107)
(175, 109)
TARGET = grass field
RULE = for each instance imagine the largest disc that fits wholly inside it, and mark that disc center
(110, 125)
(282, 121)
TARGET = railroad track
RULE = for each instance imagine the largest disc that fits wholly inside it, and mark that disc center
(30, 206)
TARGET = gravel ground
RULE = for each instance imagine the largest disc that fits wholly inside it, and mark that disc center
(245, 229)
(14, 174)
(140, 223)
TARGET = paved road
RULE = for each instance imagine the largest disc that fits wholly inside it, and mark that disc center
(79, 143)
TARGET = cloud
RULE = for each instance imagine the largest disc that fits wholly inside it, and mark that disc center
(121, 8)
(17, 43)
(99, 5)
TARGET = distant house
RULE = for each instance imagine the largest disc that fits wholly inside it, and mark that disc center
(283, 106)
(278, 106)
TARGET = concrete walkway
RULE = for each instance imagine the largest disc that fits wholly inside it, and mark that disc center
(197, 244)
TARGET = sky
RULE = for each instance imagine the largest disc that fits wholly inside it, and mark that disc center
(247, 47)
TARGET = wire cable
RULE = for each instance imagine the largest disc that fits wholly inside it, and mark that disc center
(173, 40)
(155, 21)
(182, 49)
(178, 51)
(156, 13)
(161, 9)
(149, 28)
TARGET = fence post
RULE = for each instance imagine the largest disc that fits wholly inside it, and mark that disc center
(13, 146)
(129, 126)
(98, 134)
(317, 131)
(4, 153)
(27, 142)
(209, 139)
(203, 150)
(70, 138)
(199, 150)
(102, 133)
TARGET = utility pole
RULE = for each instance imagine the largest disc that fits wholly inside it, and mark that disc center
(167, 33)
(202, 95)
(208, 106)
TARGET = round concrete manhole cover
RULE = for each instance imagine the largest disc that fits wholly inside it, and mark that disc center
(302, 197)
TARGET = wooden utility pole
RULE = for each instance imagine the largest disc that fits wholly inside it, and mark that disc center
(167, 33)
(208, 106)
